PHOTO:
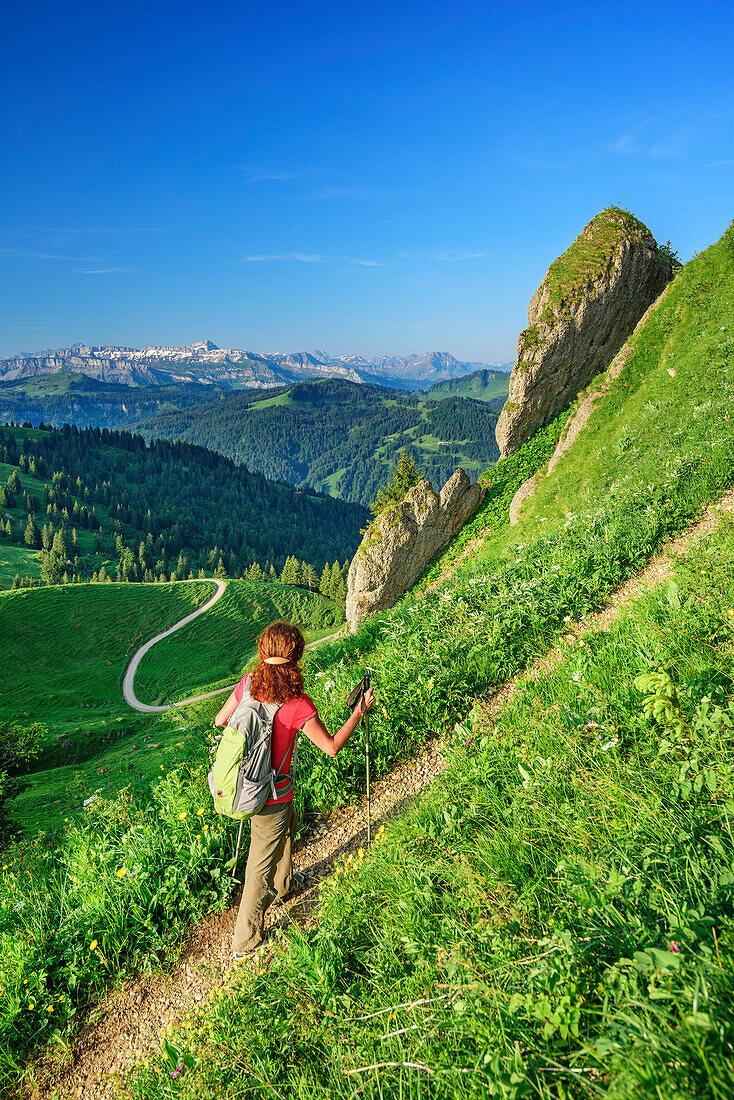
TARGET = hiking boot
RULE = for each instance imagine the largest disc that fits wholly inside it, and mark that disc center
(300, 882)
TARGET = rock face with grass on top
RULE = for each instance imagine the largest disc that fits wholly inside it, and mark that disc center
(400, 543)
(589, 302)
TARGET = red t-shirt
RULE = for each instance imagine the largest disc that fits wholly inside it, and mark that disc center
(290, 718)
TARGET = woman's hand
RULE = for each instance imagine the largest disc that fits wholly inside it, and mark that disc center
(368, 701)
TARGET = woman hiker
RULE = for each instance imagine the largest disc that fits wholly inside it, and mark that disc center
(278, 679)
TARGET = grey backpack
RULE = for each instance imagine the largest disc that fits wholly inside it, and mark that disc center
(242, 777)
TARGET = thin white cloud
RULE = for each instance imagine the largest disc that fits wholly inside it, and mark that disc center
(309, 258)
(102, 270)
(29, 254)
(458, 254)
(651, 140)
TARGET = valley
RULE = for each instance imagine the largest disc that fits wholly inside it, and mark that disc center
(339, 437)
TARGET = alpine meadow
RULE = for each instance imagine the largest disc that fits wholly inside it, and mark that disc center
(550, 913)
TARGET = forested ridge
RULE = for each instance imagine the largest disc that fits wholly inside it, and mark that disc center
(341, 437)
(158, 510)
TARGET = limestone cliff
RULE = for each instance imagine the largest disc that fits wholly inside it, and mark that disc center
(587, 305)
(401, 542)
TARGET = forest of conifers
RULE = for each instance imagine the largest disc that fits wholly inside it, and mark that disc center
(341, 437)
(175, 498)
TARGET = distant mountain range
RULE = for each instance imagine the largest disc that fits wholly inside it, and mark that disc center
(206, 364)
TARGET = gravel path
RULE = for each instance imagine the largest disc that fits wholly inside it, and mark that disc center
(128, 690)
(126, 1026)
(127, 684)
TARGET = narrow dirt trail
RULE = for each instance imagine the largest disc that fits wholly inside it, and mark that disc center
(126, 1026)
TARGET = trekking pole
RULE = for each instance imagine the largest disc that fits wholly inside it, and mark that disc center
(237, 849)
(357, 696)
(367, 768)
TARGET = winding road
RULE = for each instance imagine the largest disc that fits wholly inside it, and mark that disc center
(128, 689)
(127, 684)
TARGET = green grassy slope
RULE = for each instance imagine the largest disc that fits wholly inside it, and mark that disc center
(214, 649)
(554, 918)
(65, 648)
(466, 905)
(481, 385)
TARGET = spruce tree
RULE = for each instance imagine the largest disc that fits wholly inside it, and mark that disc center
(309, 576)
(335, 580)
(32, 534)
(404, 476)
(59, 545)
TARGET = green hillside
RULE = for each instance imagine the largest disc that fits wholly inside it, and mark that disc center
(555, 918)
(341, 437)
(481, 385)
(215, 648)
(163, 511)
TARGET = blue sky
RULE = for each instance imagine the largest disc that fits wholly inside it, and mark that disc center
(361, 177)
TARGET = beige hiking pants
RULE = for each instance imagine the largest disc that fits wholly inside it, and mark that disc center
(269, 871)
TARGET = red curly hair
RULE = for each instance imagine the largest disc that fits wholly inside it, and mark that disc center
(278, 683)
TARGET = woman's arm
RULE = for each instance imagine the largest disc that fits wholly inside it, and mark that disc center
(317, 732)
(227, 710)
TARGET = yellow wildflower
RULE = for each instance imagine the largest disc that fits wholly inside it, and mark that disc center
(199, 812)
(31, 1006)
(182, 815)
(50, 1008)
(121, 872)
(93, 945)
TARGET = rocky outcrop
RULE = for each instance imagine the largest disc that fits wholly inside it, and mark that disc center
(587, 305)
(401, 542)
(582, 415)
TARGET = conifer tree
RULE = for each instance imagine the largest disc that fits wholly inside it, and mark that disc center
(59, 545)
(46, 538)
(404, 476)
(290, 574)
(325, 581)
(335, 580)
(50, 568)
(32, 534)
(309, 576)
